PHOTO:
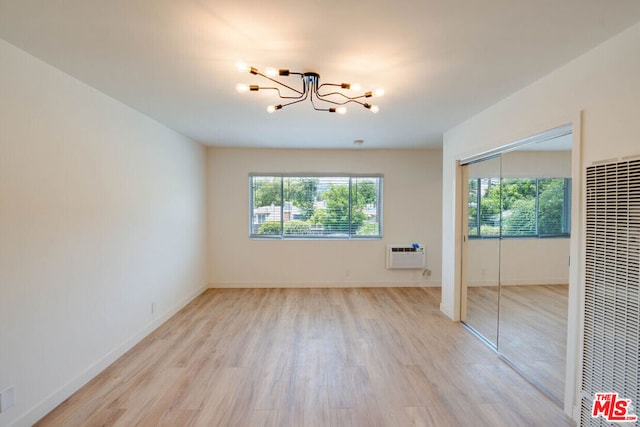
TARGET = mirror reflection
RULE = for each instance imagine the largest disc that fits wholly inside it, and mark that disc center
(516, 257)
(482, 251)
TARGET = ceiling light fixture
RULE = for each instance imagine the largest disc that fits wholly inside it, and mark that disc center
(311, 89)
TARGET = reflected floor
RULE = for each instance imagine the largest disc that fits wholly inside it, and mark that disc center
(533, 326)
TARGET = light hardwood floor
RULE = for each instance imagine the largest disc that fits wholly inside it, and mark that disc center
(309, 357)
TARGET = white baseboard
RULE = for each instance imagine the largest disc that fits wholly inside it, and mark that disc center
(62, 393)
(297, 284)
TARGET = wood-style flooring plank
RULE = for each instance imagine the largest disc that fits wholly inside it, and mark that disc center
(309, 357)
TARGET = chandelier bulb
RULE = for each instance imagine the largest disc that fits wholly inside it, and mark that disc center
(272, 108)
(378, 92)
(356, 87)
(242, 67)
(373, 108)
(271, 72)
(341, 110)
(242, 88)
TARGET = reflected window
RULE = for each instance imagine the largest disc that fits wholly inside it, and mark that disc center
(521, 207)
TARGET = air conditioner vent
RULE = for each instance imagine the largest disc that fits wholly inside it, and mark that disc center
(409, 255)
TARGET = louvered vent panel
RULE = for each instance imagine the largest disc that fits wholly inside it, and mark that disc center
(612, 282)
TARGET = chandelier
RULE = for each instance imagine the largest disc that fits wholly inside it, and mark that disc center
(329, 95)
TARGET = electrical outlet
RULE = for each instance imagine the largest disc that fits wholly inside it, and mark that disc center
(7, 398)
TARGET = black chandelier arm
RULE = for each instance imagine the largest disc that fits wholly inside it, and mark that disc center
(348, 98)
(349, 101)
(293, 102)
(280, 94)
(303, 98)
(321, 97)
(280, 83)
(365, 95)
(331, 110)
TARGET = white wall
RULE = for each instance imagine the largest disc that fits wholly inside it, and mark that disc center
(412, 213)
(102, 212)
(603, 84)
(518, 262)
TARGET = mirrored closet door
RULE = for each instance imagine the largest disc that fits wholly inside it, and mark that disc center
(482, 249)
(516, 257)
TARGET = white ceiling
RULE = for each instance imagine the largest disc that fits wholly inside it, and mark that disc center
(440, 61)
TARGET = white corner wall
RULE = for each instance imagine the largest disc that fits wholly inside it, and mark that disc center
(102, 213)
(412, 213)
(599, 94)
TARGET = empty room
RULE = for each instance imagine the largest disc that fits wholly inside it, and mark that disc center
(413, 213)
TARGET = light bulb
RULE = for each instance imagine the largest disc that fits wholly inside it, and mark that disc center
(341, 110)
(271, 72)
(374, 109)
(240, 87)
(272, 108)
(242, 67)
(378, 92)
(356, 87)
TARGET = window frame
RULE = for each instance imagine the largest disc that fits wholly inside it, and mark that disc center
(346, 236)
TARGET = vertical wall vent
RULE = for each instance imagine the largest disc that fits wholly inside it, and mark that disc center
(612, 281)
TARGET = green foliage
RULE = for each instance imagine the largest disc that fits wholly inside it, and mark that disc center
(513, 202)
(368, 228)
(336, 219)
(514, 190)
(489, 230)
(551, 213)
(490, 206)
(302, 193)
(472, 209)
(296, 228)
(521, 220)
(269, 228)
(290, 228)
(364, 192)
(266, 191)
(318, 217)
(518, 207)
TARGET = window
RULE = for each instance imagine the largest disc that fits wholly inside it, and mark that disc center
(296, 206)
(522, 207)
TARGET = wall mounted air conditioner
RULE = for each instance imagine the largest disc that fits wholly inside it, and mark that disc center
(410, 255)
